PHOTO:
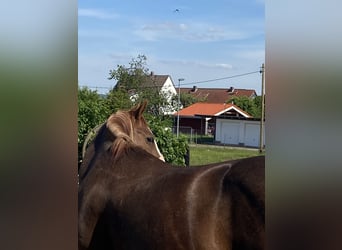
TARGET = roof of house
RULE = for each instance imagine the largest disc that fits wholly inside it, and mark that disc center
(213, 95)
(210, 109)
(155, 80)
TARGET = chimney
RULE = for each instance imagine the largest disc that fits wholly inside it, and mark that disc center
(194, 89)
(231, 90)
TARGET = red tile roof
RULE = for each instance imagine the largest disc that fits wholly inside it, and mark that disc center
(210, 109)
(212, 95)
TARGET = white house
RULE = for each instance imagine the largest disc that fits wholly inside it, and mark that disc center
(166, 87)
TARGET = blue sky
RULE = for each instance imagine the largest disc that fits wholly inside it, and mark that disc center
(204, 40)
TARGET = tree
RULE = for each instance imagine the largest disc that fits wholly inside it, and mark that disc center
(92, 110)
(117, 99)
(132, 80)
(187, 99)
(251, 105)
(257, 107)
(172, 148)
(129, 90)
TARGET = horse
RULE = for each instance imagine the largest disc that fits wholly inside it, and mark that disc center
(129, 198)
(118, 127)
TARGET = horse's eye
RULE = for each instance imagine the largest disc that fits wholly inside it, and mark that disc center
(150, 139)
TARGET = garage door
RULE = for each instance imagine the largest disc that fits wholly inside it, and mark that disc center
(230, 133)
(252, 132)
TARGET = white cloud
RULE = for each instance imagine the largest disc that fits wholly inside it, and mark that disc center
(96, 13)
(213, 65)
(167, 30)
(224, 65)
(207, 65)
(256, 55)
(197, 32)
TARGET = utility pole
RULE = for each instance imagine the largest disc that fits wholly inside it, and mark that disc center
(179, 80)
(261, 141)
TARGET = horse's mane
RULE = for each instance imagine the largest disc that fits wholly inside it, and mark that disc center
(121, 127)
(115, 135)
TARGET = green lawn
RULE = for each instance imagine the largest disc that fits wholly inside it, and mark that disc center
(204, 154)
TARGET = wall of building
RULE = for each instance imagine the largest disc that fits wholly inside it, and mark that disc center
(169, 88)
(238, 132)
(196, 124)
(169, 91)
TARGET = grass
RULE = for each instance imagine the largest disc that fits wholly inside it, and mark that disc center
(204, 154)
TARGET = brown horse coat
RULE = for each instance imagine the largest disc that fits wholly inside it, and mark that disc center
(140, 202)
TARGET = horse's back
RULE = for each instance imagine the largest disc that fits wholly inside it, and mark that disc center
(172, 208)
(208, 208)
(226, 204)
(245, 184)
(186, 208)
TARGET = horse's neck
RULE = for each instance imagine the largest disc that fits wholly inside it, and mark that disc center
(88, 157)
(138, 160)
(134, 161)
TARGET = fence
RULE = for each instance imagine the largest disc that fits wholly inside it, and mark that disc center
(193, 135)
(188, 131)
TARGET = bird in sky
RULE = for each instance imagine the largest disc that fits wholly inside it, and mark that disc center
(176, 10)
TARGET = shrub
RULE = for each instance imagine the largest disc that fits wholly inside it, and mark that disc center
(172, 148)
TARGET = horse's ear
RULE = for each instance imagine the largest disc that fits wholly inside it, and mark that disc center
(138, 110)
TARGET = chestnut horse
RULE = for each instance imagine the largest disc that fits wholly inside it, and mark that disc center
(130, 199)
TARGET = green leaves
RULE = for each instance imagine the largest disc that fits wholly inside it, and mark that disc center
(187, 99)
(129, 90)
(92, 110)
(172, 148)
(251, 105)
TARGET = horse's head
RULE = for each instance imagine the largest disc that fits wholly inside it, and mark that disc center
(130, 127)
